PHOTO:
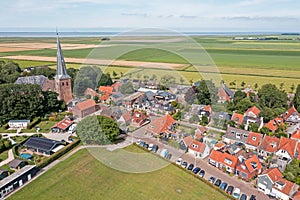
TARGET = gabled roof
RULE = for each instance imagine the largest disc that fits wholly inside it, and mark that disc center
(104, 97)
(255, 110)
(127, 116)
(269, 144)
(296, 135)
(63, 124)
(208, 108)
(254, 139)
(188, 140)
(90, 91)
(228, 92)
(224, 158)
(273, 173)
(237, 118)
(297, 196)
(161, 125)
(38, 80)
(253, 163)
(85, 104)
(197, 146)
(232, 133)
(274, 123)
(219, 145)
(288, 145)
(15, 163)
(287, 188)
(291, 111)
(41, 143)
(106, 89)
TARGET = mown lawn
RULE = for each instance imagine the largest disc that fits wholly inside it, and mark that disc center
(83, 177)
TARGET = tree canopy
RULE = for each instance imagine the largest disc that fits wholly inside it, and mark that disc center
(97, 130)
(127, 88)
(292, 171)
(9, 72)
(206, 92)
(297, 98)
(270, 96)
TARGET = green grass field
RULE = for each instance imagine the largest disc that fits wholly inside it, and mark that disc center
(83, 177)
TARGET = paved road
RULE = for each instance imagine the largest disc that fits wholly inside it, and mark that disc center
(50, 135)
(9, 158)
(196, 126)
(210, 170)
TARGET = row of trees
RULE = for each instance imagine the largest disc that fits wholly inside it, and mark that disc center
(9, 72)
(26, 102)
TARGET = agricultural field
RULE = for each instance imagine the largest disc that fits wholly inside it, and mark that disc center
(64, 181)
(274, 61)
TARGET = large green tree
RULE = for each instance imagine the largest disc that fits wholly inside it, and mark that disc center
(46, 71)
(292, 171)
(97, 130)
(297, 98)
(51, 103)
(105, 80)
(206, 92)
(9, 72)
(270, 96)
(127, 88)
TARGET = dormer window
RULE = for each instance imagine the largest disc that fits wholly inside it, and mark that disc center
(254, 138)
(227, 161)
(273, 145)
(280, 184)
(245, 136)
(195, 146)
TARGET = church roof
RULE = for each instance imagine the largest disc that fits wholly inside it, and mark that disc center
(39, 80)
(61, 70)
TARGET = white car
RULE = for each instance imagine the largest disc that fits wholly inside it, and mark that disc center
(138, 141)
(179, 161)
(150, 147)
(236, 193)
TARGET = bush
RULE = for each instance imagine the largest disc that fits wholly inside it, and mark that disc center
(5, 126)
(35, 122)
(57, 155)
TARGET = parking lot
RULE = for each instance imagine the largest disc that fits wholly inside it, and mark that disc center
(245, 187)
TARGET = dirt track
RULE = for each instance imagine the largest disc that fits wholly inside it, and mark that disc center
(102, 62)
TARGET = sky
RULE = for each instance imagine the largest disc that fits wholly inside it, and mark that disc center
(179, 15)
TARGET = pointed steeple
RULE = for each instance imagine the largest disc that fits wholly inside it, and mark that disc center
(61, 70)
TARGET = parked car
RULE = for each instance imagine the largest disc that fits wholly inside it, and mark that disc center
(138, 142)
(196, 170)
(184, 164)
(201, 173)
(223, 186)
(179, 161)
(155, 148)
(212, 179)
(142, 144)
(169, 156)
(164, 153)
(146, 146)
(253, 197)
(190, 167)
(229, 189)
(218, 183)
(236, 193)
(150, 147)
(243, 197)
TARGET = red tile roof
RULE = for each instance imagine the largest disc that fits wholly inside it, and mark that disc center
(288, 145)
(104, 97)
(274, 123)
(208, 108)
(106, 89)
(290, 112)
(287, 187)
(91, 92)
(274, 174)
(161, 124)
(296, 135)
(224, 158)
(269, 144)
(127, 116)
(220, 145)
(197, 146)
(138, 117)
(188, 140)
(297, 196)
(237, 118)
(254, 139)
(85, 104)
(250, 161)
(63, 124)
(255, 110)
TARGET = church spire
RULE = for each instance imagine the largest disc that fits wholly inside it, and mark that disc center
(61, 70)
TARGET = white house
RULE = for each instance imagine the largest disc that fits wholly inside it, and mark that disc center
(198, 149)
(18, 123)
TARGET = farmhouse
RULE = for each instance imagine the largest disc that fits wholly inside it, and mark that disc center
(62, 126)
(43, 146)
(18, 123)
(84, 108)
(16, 180)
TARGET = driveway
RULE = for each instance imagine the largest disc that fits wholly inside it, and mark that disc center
(210, 170)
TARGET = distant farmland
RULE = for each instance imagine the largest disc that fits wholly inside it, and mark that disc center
(241, 61)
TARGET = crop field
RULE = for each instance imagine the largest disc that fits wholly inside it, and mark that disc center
(274, 61)
(82, 175)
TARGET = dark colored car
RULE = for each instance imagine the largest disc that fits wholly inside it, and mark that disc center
(184, 164)
(253, 197)
(243, 197)
(196, 170)
(190, 167)
(218, 183)
(201, 173)
(212, 179)
(223, 186)
(229, 189)
(142, 144)
(155, 148)
(169, 156)
(146, 145)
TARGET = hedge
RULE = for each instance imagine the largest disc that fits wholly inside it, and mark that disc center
(191, 173)
(35, 122)
(57, 155)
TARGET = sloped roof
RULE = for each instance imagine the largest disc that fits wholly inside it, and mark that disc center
(38, 80)
(250, 161)
(224, 158)
(15, 163)
(127, 116)
(273, 173)
(106, 89)
(296, 135)
(269, 144)
(197, 146)
(273, 124)
(227, 90)
(90, 91)
(254, 139)
(292, 110)
(237, 118)
(287, 188)
(41, 143)
(161, 124)
(255, 110)
(288, 145)
(188, 140)
(61, 70)
(85, 104)
(63, 124)
(231, 133)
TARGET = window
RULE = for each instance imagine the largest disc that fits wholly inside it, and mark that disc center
(62, 83)
(67, 83)
(227, 161)
(195, 146)
(254, 138)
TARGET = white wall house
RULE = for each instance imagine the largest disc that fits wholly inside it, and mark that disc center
(18, 123)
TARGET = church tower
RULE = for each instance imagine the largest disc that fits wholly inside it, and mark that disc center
(62, 79)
